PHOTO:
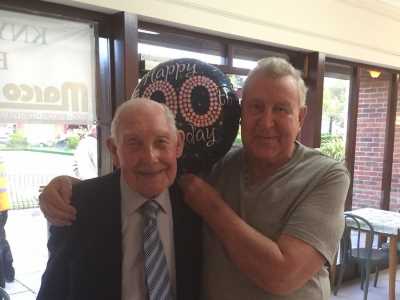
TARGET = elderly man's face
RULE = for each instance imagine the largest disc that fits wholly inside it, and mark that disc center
(271, 119)
(146, 150)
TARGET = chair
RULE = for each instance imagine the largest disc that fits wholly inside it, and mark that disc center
(3, 294)
(366, 257)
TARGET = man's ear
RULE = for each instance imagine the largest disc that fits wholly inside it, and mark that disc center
(302, 116)
(180, 143)
(112, 147)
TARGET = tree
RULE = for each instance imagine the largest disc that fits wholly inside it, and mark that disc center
(335, 99)
(334, 102)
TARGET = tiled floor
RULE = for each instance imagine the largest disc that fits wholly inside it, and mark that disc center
(27, 234)
(351, 290)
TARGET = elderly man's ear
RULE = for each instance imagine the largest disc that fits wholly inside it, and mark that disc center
(113, 150)
(180, 143)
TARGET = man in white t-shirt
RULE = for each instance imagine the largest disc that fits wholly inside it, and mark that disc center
(85, 156)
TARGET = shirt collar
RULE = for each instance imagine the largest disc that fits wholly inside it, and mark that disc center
(131, 201)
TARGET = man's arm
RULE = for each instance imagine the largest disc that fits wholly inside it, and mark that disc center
(55, 201)
(278, 267)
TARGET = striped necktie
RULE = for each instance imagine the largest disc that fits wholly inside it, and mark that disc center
(155, 262)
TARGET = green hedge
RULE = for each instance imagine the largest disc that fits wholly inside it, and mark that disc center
(333, 146)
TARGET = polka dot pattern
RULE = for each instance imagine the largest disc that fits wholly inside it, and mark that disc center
(185, 103)
(206, 108)
(167, 90)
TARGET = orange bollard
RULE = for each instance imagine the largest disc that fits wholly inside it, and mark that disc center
(4, 198)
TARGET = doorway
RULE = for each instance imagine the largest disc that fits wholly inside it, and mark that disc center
(47, 127)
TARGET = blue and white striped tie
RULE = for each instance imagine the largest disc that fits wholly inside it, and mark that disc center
(155, 262)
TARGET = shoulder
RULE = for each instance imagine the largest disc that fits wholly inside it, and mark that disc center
(320, 175)
(319, 161)
(98, 183)
(96, 192)
(231, 162)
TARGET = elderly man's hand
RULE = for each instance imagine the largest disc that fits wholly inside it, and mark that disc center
(55, 201)
(198, 194)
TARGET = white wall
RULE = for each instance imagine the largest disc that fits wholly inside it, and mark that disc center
(360, 30)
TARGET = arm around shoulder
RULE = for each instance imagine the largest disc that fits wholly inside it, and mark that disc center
(55, 201)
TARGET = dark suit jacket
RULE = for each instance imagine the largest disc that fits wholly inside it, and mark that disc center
(85, 258)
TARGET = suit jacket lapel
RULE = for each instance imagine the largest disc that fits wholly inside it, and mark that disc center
(188, 247)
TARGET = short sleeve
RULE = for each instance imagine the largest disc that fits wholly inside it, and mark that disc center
(318, 220)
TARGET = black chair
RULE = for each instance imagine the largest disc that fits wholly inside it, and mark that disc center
(366, 257)
(4, 295)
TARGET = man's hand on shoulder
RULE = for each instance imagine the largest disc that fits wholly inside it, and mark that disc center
(55, 201)
(199, 195)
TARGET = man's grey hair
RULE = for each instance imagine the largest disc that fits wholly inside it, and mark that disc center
(135, 102)
(276, 67)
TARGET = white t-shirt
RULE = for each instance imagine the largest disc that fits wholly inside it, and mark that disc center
(85, 158)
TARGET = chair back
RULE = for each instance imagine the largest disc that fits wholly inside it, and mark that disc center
(3, 294)
(359, 225)
(363, 252)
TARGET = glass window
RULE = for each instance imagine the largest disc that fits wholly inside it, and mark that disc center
(47, 99)
(244, 63)
(154, 55)
(237, 82)
(246, 57)
(334, 117)
(159, 44)
(47, 113)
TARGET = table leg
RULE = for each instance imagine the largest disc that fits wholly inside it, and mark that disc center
(392, 267)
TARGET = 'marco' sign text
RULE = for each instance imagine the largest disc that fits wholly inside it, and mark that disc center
(46, 70)
(72, 97)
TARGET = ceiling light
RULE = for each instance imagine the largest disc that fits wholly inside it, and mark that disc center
(374, 74)
(148, 31)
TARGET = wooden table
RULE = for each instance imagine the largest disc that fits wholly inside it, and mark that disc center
(387, 223)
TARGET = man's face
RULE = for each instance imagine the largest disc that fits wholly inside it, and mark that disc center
(271, 119)
(146, 150)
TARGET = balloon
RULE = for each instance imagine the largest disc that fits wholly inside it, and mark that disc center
(205, 106)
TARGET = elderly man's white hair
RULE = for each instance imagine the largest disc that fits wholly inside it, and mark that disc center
(276, 67)
(135, 102)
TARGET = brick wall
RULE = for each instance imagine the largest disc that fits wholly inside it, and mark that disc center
(395, 191)
(370, 140)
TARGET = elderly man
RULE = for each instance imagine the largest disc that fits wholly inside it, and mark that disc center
(121, 245)
(275, 215)
(274, 209)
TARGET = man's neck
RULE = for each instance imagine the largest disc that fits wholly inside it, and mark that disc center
(257, 170)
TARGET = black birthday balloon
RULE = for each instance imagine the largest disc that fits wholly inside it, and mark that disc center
(204, 103)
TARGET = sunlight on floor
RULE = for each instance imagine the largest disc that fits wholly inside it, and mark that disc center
(26, 231)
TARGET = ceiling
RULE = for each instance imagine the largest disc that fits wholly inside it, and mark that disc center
(83, 5)
(387, 8)
(394, 3)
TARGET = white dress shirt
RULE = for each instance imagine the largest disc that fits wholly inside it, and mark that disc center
(133, 276)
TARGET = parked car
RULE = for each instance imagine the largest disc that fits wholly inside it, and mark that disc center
(4, 139)
(39, 142)
(61, 143)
